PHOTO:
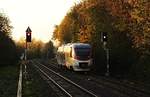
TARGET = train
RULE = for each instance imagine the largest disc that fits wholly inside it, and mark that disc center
(75, 56)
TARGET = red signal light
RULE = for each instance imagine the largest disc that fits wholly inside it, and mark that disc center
(28, 34)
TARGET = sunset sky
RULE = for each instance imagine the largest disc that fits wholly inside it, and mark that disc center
(40, 15)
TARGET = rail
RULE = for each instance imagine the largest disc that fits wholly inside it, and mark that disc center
(76, 85)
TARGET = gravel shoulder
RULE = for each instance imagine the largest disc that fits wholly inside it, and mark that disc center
(34, 85)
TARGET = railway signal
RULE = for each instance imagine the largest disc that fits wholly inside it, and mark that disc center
(28, 39)
(104, 36)
(104, 39)
(28, 34)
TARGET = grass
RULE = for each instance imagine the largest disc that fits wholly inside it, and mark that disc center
(9, 80)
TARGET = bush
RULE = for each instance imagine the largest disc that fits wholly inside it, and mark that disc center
(122, 54)
(7, 50)
(141, 70)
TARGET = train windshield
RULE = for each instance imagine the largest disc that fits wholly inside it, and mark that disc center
(83, 53)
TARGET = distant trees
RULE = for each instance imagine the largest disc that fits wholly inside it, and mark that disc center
(48, 50)
(8, 49)
(127, 23)
(34, 49)
(37, 49)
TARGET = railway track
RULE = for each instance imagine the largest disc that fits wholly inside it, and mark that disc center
(68, 87)
(130, 90)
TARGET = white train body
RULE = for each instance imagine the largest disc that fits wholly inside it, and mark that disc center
(76, 56)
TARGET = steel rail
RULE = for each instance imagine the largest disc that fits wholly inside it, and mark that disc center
(67, 93)
(81, 88)
(135, 91)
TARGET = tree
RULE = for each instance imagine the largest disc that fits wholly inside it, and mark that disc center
(5, 25)
(7, 45)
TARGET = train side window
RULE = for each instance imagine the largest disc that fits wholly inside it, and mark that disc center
(70, 51)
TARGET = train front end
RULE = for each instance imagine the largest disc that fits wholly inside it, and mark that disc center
(82, 57)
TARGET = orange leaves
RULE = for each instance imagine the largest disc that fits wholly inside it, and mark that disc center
(86, 20)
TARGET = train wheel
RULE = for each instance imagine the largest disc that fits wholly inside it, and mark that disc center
(71, 68)
(63, 67)
(60, 66)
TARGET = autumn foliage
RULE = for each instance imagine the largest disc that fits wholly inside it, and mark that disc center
(127, 23)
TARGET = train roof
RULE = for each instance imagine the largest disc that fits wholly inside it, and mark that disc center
(81, 45)
(76, 45)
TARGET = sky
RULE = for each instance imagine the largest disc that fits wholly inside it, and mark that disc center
(40, 15)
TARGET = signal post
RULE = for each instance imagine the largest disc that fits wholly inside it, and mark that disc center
(104, 38)
(28, 39)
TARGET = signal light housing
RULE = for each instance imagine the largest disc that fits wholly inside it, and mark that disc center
(28, 36)
(104, 36)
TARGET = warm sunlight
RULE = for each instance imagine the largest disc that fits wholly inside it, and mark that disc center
(40, 15)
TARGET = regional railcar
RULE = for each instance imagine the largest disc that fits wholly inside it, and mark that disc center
(76, 56)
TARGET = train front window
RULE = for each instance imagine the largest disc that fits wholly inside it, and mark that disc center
(82, 52)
